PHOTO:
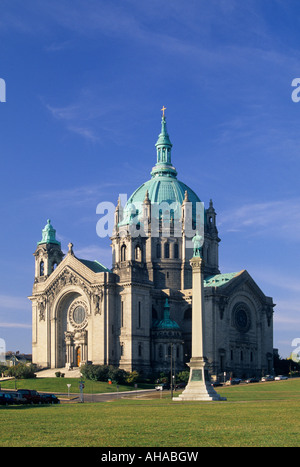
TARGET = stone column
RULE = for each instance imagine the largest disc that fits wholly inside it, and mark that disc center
(199, 387)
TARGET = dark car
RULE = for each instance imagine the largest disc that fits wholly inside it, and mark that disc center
(252, 380)
(231, 382)
(49, 399)
(18, 398)
(6, 399)
(33, 397)
(216, 384)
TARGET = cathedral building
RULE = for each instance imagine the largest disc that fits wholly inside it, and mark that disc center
(137, 315)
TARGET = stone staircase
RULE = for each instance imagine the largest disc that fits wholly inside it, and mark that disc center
(50, 373)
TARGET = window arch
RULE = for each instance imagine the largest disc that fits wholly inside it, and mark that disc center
(167, 250)
(154, 314)
(123, 253)
(42, 268)
(176, 251)
(188, 314)
(158, 250)
(138, 253)
(139, 323)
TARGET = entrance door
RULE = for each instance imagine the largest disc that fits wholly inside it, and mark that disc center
(78, 356)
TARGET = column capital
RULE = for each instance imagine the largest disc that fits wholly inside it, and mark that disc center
(196, 262)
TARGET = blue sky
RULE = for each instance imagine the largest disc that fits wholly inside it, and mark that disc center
(85, 84)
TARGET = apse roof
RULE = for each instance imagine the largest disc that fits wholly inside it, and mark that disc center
(220, 279)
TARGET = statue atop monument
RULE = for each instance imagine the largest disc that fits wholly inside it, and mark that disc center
(198, 242)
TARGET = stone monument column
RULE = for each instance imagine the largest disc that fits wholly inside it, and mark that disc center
(199, 387)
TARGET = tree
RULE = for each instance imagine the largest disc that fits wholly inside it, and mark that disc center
(21, 371)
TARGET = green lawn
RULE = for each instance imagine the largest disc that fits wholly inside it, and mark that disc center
(60, 385)
(263, 414)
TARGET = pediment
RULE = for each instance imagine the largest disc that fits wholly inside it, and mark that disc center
(71, 271)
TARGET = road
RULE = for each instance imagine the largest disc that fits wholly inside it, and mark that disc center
(103, 397)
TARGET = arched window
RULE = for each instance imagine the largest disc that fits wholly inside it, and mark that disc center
(154, 314)
(176, 251)
(167, 250)
(139, 314)
(42, 266)
(54, 265)
(188, 314)
(122, 314)
(158, 250)
(138, 253)
(123, 253)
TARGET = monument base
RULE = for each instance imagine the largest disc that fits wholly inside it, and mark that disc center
(199, 387)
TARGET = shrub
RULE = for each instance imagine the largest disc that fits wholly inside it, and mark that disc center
(104, 373)
(183, 376)
(3, 368)
(21, 371)
(116, 375)
(132, 377)
(95, 372)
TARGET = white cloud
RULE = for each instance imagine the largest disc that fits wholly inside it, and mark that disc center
(75, 196)
(15, 325)
(277, 218)
(10, 302)
(73, 116)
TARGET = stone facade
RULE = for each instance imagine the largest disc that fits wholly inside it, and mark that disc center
(138, 314)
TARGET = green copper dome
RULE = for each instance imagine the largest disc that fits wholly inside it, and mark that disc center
(163, 185)
(49, 234)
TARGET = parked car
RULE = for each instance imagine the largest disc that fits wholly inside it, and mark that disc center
(280, 377)
(216, 384)
(267, 378)
(232, 381)
(236, 380)
(6, 398)
(49, 399)
(33, 397)
(18, 398)
(252, 380)
(162, 386)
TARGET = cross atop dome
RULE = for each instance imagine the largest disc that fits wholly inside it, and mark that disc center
(163, 150)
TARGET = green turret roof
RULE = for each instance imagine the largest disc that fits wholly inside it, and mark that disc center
(167, 322)
(49, 234)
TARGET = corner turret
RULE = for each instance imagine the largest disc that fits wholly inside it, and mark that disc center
(48, 253)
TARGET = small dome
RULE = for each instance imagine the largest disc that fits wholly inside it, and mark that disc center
(167, 323)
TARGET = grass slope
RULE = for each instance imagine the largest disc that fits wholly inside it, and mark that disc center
(60, 385)
(263, 414)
